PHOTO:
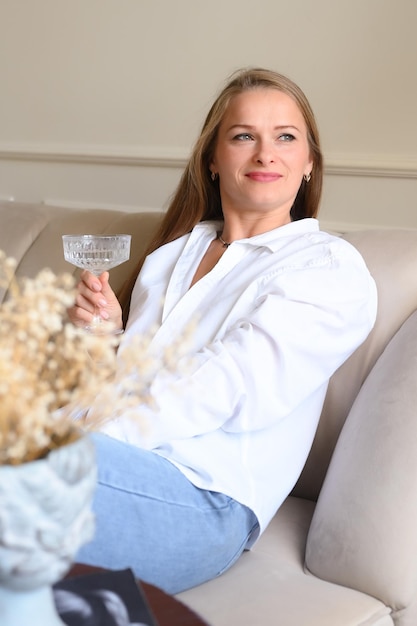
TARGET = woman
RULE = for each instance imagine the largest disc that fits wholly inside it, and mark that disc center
(280, 306)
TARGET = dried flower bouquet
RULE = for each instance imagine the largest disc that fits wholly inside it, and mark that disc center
(45, 363)
(51, 371)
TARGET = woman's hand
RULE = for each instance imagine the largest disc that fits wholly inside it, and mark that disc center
(95, 297)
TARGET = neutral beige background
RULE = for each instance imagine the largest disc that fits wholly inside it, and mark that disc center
(101, 100)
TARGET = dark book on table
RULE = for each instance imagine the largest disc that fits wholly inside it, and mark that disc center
(103, 599)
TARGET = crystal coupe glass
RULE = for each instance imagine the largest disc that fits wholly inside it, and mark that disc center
(97, 254)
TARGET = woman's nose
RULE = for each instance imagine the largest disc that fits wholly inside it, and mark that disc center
(265, 153)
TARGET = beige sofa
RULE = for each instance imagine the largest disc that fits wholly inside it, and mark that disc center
(350, 558)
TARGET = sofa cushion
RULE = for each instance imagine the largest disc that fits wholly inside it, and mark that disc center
(269, 586)
(363, 534)
(391, 256)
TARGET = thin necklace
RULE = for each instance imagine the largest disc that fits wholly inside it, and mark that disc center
(226, 244)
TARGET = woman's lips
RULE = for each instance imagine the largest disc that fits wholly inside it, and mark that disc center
(263, 177)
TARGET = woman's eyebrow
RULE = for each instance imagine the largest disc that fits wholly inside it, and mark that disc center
(251, 127)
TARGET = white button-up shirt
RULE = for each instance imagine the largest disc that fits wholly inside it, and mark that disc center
(276, 316)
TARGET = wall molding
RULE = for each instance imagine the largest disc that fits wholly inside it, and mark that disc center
(392, 166)
(370, 166)
(96, 155)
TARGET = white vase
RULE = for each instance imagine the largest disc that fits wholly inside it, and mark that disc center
(45, 517)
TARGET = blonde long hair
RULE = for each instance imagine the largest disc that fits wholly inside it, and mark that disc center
(197, 197)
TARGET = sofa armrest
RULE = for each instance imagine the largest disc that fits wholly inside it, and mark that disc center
(364, 530)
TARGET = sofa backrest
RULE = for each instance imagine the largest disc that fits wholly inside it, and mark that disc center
(32, 234)
(391, 256)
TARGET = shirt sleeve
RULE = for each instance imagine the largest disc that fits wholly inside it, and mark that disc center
(301, 326)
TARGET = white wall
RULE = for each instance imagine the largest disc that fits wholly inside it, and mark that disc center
(101, 100)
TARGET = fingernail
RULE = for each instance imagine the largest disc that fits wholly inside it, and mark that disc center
(104, 315)
(102, 302)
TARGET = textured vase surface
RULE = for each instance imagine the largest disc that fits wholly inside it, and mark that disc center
(45, 517)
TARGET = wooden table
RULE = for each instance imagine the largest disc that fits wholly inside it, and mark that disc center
(167, 610)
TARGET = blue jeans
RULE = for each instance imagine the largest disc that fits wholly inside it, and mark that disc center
(150, 518)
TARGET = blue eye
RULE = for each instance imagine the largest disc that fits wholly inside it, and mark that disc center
(286, 137)
(243, 137)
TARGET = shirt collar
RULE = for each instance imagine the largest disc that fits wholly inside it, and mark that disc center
(272, 238)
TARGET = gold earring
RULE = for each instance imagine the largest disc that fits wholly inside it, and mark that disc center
(307, 177)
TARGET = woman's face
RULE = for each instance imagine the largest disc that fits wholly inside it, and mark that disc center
(261, 154)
